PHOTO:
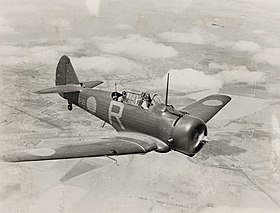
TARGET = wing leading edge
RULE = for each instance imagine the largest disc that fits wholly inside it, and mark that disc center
(207, 107)
(119, 145)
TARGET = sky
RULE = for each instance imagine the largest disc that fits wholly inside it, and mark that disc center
(133, 37)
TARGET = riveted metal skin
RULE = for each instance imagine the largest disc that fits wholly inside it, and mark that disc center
(176, 130)
(124, 117)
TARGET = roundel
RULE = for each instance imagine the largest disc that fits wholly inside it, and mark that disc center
(91, 104)
(41, 152)
(212, 103)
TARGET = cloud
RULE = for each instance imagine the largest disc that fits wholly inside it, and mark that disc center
(192, 38)
(236, 74)
(188, 79)
(135, 46)
(221, 209)
(274, 88)
(269, 56)
(242, 45)
(5, 30)
(93, 7)
(108, 63)
(241, 76)
(246, 46)
(272, 40)
(123, 27)
(11, 60)
(5, 27)
(275, 142)
(175, 6)
(259, 32)
(105, 39)
(35, 55)
(216, 66)
(61, 23)
(224, 44)
(196, 36)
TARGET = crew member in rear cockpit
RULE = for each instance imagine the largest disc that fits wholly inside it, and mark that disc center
(147, 101)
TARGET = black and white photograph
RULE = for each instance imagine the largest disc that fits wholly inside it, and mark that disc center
(156, 106)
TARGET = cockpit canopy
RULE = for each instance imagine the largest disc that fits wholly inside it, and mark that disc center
(136, 98)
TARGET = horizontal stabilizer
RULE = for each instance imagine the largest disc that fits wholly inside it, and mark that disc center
(69, 87)
(91, 84)
(61, 89)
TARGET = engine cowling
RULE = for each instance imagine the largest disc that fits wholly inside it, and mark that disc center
(189, 135)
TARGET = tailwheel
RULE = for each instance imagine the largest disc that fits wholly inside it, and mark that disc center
(70, 107)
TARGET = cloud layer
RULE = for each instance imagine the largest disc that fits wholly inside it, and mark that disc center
(135, 46)
(192, 38)
(93, 7)
(176, 6)
(108, 64)
(195, 36)
(35, 55)
(5, 27)
(237, 74)
(123, 27)
(188, 79)
(246, 46)
(241, 45)
(240, 76)
(220, 209)
(60, 23)
(191, 80)
(269, 55)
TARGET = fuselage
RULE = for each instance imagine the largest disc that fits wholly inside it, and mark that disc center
(181, 132)
(154, 121)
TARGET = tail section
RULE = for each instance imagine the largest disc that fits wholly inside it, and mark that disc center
(65, 73)
(67, 83)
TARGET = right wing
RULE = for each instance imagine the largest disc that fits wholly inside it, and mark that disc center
(207, 107)
(119, 145)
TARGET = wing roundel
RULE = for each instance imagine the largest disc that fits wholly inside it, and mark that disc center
(119, 145)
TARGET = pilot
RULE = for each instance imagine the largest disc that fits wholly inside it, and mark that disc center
(123, 97)
(115, 96)
(148, 98)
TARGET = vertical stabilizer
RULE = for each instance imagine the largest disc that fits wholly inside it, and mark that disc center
(65, 73)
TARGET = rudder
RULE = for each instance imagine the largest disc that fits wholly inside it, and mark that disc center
(65, 73)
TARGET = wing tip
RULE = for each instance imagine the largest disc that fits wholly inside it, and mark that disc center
(9, 157)
(221, 97)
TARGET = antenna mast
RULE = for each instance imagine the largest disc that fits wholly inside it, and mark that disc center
(167, 88)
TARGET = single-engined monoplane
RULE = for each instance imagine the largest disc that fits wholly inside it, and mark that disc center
(144, 123)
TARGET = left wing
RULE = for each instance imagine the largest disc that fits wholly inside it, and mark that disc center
(207, 107)
(119, 145)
